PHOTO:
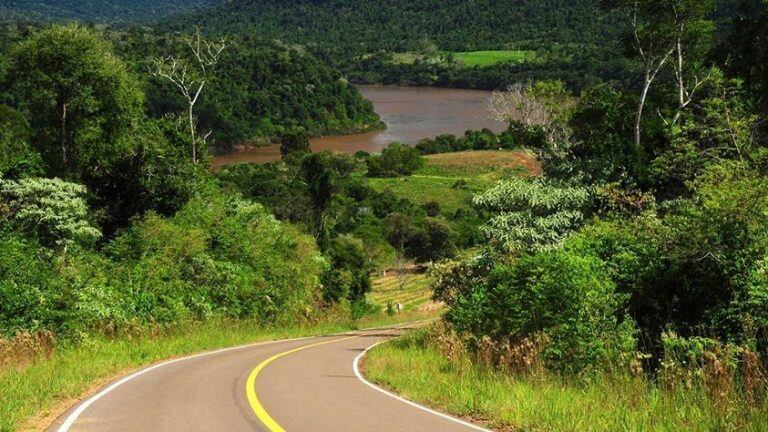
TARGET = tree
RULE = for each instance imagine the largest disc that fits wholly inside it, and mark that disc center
(692, 34)
(399, 229)
(17, 158)
(531, 216)
(80, 99)
(191, 76)
(395, 160)
(324, 175)
(652, 41)
(52, 210)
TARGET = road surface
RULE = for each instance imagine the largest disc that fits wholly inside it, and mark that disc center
(309, 384)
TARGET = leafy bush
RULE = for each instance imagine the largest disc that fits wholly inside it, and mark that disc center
(51, 210)
(531, 215)
(568, 298)
(395, 160)
(348, 277)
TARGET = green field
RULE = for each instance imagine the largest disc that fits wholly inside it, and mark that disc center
(468, 58)
(451, 179)
(490, 58)
(414, 368)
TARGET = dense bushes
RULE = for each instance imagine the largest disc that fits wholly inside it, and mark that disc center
(473, 140)
(394, 161)
(218, 256)
(567, 298)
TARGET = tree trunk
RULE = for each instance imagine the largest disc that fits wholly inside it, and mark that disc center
(63, 133)
(192, 133)
(640, 108)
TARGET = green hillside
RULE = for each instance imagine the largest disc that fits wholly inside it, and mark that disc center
(109, 11)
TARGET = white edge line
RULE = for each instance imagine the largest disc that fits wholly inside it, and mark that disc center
(356, 367)
(74, 415)
(72, 418)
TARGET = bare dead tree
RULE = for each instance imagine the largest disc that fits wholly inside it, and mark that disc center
(533, 106)
(518, 103)
(685, 16)
(654, 50)
(190, 77)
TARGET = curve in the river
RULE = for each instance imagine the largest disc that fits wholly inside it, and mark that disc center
(410, 113)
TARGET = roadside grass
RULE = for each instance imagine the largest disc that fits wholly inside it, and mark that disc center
(33, 395)
(415, 296)
(451, 179)
(490, 58)
(418, 371)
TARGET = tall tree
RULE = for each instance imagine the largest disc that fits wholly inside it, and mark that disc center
(652, 40)
(80, 99)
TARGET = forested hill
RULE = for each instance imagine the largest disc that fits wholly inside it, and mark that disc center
(100, 11)
(405, 25)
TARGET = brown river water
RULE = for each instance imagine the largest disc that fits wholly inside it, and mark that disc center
(410, 113)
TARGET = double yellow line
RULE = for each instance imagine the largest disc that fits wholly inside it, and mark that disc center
(250, 385)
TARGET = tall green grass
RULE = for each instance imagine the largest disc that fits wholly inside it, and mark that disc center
(418, 371)
(46, 386)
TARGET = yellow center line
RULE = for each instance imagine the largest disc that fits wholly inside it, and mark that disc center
(250, 385)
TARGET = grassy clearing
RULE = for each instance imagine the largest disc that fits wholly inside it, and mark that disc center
(490, 58)
(420, 372)
(416, 295)
(467, 59)
(423, 189)
(451, 179)
(32, 396)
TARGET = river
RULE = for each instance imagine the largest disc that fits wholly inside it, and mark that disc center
(410, 113)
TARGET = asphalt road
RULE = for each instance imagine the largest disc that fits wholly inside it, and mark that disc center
(308, 385)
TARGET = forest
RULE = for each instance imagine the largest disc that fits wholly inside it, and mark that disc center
(119, 12)
(603, 261)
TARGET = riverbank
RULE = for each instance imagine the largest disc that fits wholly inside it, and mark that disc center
(410, 114)
(413, 367)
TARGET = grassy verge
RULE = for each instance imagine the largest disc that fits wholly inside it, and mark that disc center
(33, 395)
(418, 371)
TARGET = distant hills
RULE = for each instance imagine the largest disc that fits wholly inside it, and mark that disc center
(98, 11)
(406, 25)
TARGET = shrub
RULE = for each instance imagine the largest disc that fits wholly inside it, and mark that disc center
(570, 299)
(531, 215)
(395, 160)
(348, 277)
(52, 210)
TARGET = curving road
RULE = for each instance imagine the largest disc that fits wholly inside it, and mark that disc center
(309, 384)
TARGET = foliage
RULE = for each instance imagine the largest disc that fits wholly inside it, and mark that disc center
(566, 297)
(531, 215)
(50, 210)
(296, 141)
(348, 277)
(395, 160)
(80, 98)
(17, 158)
(100, 11)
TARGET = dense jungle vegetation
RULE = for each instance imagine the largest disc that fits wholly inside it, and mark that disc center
(98, 11)
(260, 89)
(635, 267)
(629, 259)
